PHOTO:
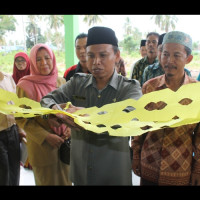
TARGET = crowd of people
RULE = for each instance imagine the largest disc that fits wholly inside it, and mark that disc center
(170, 156)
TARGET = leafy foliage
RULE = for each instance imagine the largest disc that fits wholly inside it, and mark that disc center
(7, 23)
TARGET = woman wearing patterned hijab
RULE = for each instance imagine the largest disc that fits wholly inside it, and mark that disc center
(43, 141)
(21, 66)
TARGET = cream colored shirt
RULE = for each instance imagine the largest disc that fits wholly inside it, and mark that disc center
(6, 83)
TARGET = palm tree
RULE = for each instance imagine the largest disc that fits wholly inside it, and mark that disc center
(165, 22)
(55, 21)
(92, 19)
(32, 28)
(128, 27)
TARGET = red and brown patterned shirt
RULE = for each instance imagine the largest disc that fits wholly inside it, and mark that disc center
(168, 156)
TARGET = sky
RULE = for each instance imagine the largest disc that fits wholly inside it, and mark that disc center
(144, 23)
(186, 23)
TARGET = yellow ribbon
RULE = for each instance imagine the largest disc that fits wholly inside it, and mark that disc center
(114, 117)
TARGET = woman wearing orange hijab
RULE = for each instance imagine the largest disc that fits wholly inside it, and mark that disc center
(21, 66)
(43, 141)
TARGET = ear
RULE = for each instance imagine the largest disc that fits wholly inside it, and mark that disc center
(117, 57)
(189, 59)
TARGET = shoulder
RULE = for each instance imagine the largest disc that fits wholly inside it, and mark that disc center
(190, 79)
(154, 80)
(82, 75)
(126, 82)
(5, 75)
(72, 68)
(149, 67)
(79, 79)
(139, 61)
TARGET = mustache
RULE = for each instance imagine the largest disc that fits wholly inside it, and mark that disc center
(151, 50)
(96, 68)
(170, 67)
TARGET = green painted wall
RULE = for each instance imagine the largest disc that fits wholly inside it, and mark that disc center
(71, 31)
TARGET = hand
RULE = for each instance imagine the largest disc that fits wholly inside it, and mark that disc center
(53, 121)
(195, 179)
(69, 120)
(54, 140)
(67, 133)
(136, 166)
(22, 134)
(62, 106)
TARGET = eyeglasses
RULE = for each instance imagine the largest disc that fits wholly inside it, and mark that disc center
(18, 61)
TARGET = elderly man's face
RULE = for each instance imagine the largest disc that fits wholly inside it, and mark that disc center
(174, 58)
(101, 60)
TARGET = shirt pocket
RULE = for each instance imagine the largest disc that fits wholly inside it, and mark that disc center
(79, 100)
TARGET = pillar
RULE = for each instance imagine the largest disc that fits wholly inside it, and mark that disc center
(71, 31)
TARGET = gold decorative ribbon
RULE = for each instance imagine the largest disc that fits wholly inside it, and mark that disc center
(124, 118)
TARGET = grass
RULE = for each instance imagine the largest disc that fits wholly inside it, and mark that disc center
(7, 60)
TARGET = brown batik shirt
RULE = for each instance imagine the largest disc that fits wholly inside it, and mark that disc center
(168, 156)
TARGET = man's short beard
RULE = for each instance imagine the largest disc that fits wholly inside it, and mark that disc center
(169, 75)
(172, 67)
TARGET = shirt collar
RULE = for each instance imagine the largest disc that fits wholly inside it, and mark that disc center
(156, 66)
(145, 60)
(78, 68)
(113, 81)
(162, 82)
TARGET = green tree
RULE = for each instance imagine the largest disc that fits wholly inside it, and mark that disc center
(132, 37)
(7, 23)
(92, 19)
(165, 22)
(32, 30)
(34, 35)
(131, 42)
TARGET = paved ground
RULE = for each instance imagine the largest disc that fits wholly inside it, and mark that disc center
(27, 178)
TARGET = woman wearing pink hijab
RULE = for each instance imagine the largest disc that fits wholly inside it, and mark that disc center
(21, 66)
(43, 141)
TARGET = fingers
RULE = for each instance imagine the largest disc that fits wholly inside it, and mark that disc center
(66, 119)
(58, 143)
(54, 140)
(53, 121)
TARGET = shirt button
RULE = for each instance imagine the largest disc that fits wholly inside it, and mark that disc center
(99, 96)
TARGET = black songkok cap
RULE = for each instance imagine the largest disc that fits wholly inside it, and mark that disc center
(142, 43)
(161, 38)
(101, 35)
